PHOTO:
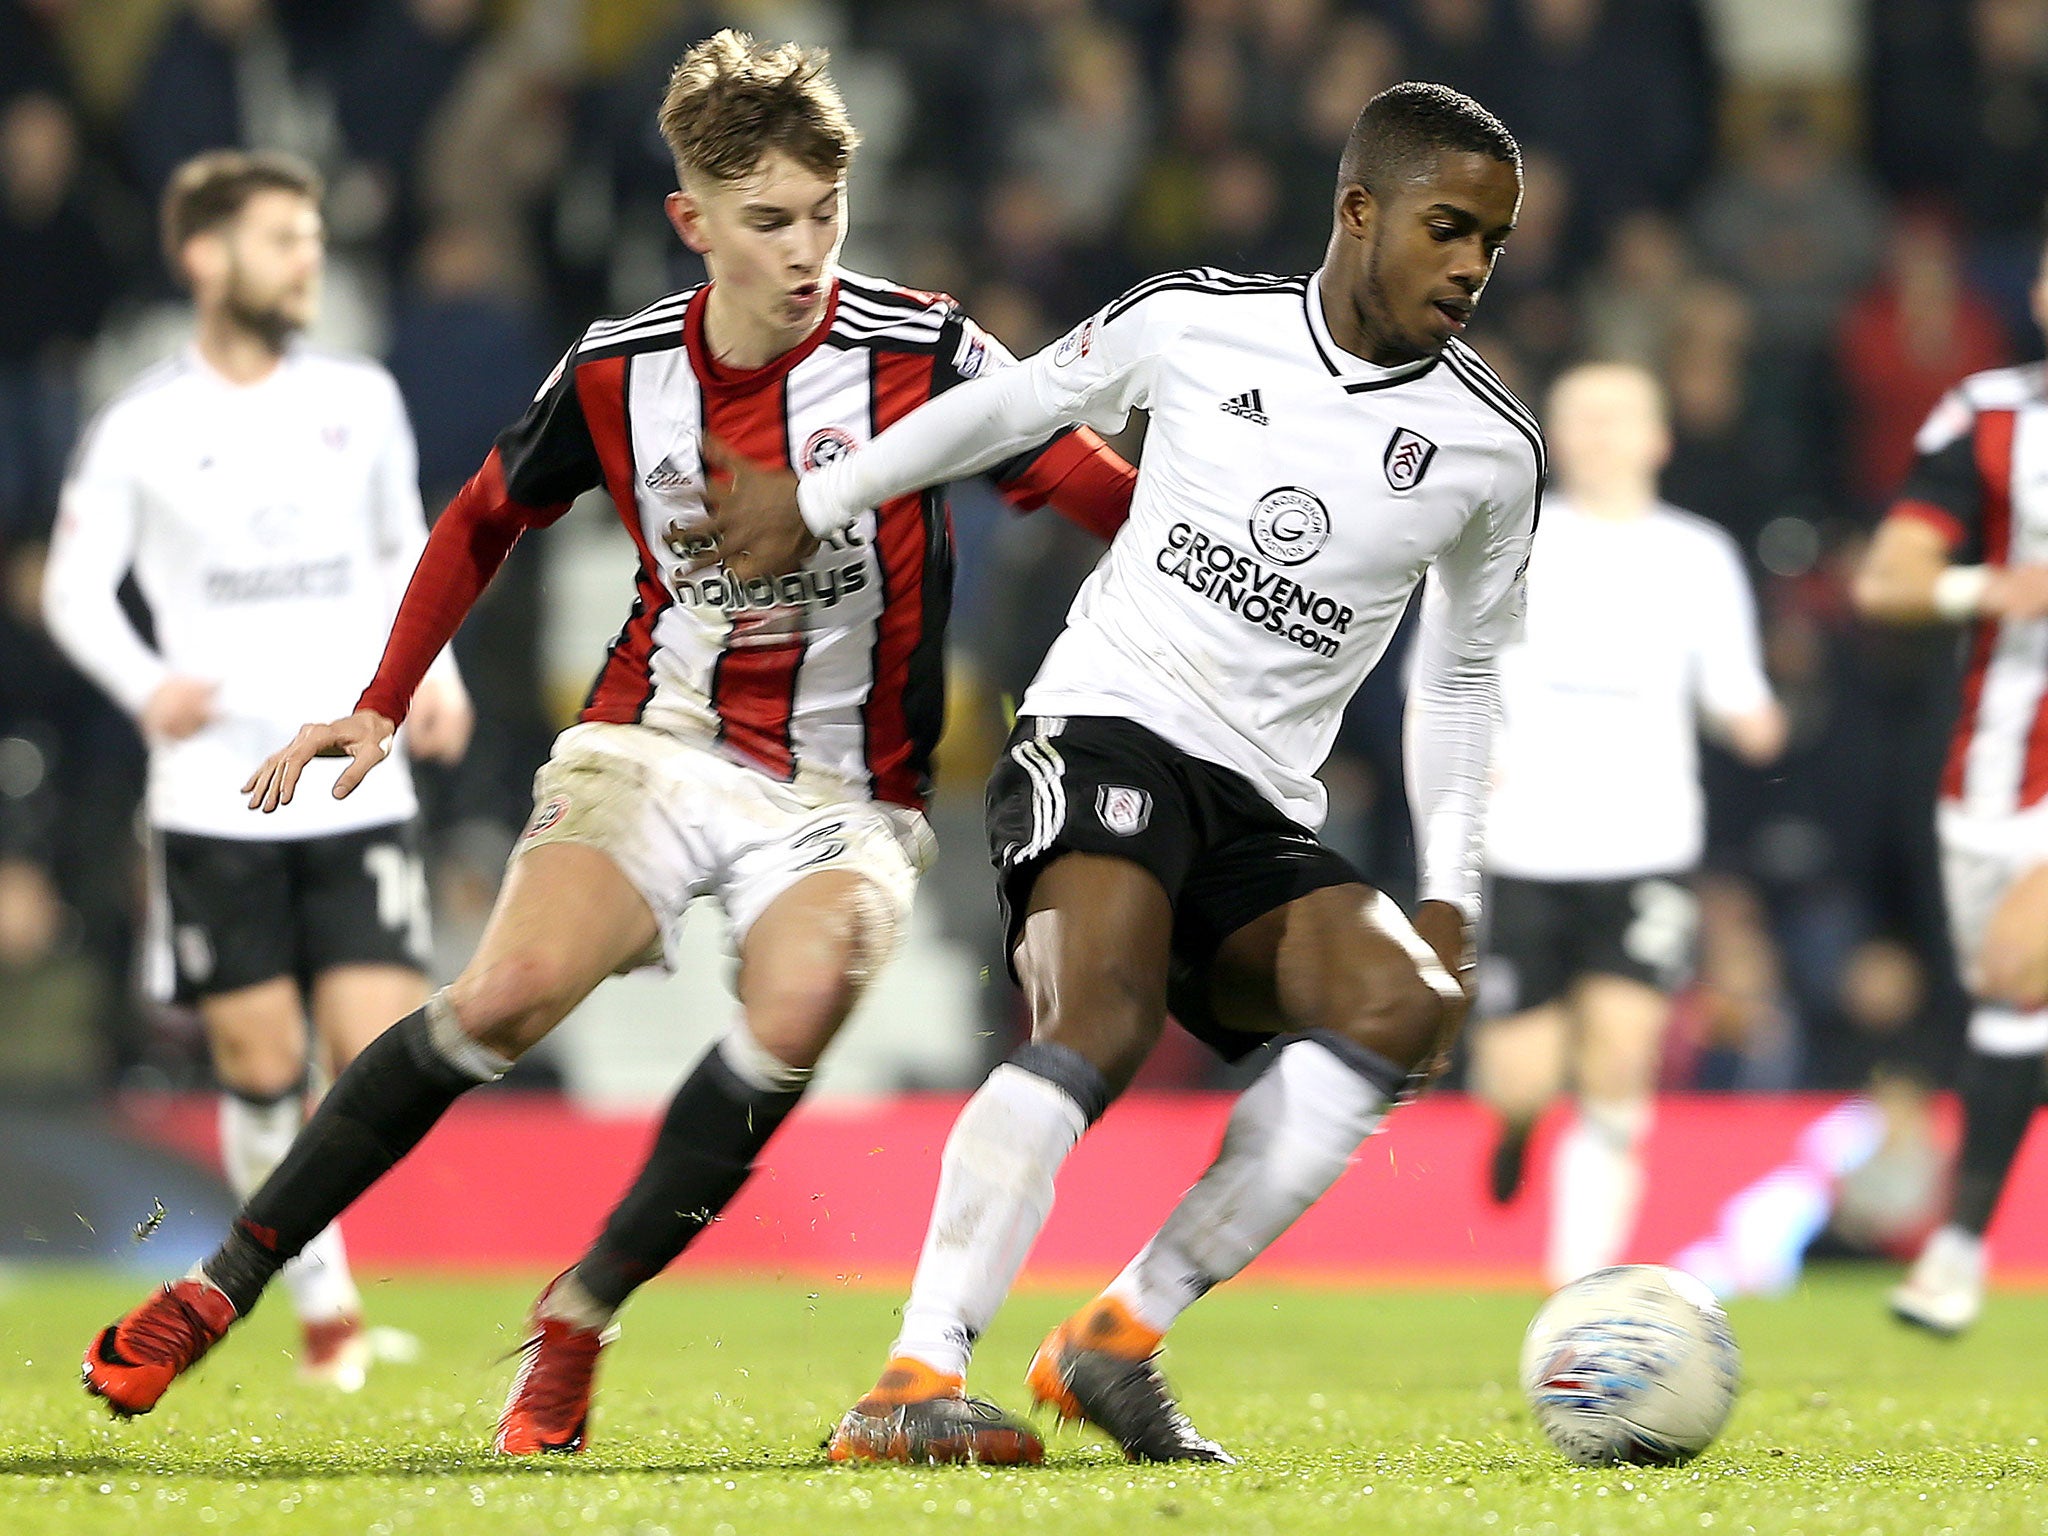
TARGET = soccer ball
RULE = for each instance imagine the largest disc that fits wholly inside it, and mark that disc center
(1631, 1364)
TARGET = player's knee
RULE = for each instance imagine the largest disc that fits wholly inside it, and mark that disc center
(2013, 978)
(1403, 1020)
(509, 1003)
(1111, 1018)
(260, 1069)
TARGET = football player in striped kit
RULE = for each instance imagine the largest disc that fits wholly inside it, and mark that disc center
(763, 739)
(264, 495)
(1966, 542)
(1316, 445)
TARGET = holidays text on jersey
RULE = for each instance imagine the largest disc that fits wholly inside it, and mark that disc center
(1253, 590)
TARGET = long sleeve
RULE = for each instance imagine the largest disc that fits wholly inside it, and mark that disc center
(462, 554)
(1094, 376)
(90, 554)
(1471, 609)
(401, 519)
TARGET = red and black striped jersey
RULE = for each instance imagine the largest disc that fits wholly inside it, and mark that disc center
(1981, 479)
(834, 668)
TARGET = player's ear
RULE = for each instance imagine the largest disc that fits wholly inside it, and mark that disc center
(202, 261)
(686, 217)
(1357, 210)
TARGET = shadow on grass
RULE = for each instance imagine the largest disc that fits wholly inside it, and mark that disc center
(412, 1463)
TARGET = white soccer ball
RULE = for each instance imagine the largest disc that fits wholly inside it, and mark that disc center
(1631, 1364)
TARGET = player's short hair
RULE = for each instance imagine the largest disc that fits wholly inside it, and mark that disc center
(210, 190)
(1403, 129)
(731, 101)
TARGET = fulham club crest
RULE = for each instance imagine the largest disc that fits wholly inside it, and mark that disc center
(1407, 459)
(1123, 810)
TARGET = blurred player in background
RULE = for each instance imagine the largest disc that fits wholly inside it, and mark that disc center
(1967, 543)
(766, 740)
(1641, 628)
(264, 497)
(1315, 445)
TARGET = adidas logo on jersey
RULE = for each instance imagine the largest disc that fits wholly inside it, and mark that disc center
(666, 477)
(1249, 406)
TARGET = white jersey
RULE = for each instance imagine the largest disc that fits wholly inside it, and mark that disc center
(271, 528)
(1290, 498)
(1635, 626)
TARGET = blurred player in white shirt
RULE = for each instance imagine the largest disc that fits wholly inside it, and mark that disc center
(264, 498)
(1641, 626)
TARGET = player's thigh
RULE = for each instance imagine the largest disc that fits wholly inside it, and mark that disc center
(816, 913)
(566, 917)
(2012, 962)
(257, 1035)
(229, 913)
(1620, 1036)
(354, 1004)
(1520, 1061)
(1091, 955)
(1337, 961)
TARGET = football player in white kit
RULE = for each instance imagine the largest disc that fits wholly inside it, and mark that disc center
(1316, 445)
(1641, 627)
(264, 497)
(1966, 543)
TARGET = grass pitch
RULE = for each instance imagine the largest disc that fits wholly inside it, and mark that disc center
(1354, 1411)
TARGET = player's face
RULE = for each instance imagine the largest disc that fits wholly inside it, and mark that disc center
(1415, 260)
(275, 252)
(1605, 429)
(769, 240)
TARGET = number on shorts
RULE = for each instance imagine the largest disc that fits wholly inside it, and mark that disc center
(1661, 934)
(827, 843)
(401, 892)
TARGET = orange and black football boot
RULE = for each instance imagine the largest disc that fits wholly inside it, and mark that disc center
(917, 1414)
(1101, 1366)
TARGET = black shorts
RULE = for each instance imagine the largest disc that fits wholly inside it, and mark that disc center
(244, 911)
(1225, 853)
(1543, 935)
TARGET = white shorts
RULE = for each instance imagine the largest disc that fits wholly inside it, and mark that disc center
(1981, 859)
(682, 820)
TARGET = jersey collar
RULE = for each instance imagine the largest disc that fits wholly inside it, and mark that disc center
(1356, 374)
(719, 376)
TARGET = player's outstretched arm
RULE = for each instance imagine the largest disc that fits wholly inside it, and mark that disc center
(363, 737)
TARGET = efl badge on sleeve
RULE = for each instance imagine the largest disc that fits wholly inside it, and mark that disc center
(1407, 460)
(1123, 810)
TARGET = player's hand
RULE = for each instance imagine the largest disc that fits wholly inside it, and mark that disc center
(442, 720)
(751, 516)
(1442, 926)
(2017, 592)
(179, 707)
(364, 738)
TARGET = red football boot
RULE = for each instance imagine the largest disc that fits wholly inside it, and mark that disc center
(548, 1409)
(133, 1363)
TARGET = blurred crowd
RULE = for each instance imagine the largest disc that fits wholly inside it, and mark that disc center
(1808, 220)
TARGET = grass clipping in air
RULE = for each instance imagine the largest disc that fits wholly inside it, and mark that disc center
(1360, 1411)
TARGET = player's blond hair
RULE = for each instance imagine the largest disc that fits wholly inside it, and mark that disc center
(731, 101)
(210, 190)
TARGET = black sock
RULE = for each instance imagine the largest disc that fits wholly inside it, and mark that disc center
(705, 1149)
(2000, 1094)
(376, 1112)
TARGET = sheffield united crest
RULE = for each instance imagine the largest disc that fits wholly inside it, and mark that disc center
(1407, 459)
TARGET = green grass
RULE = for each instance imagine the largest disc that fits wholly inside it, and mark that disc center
(1355, 1411)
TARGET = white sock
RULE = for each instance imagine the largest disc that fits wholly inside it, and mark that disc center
(1294, 1130)
(1596, 1187)
(995, 1191)
(253, 1140)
